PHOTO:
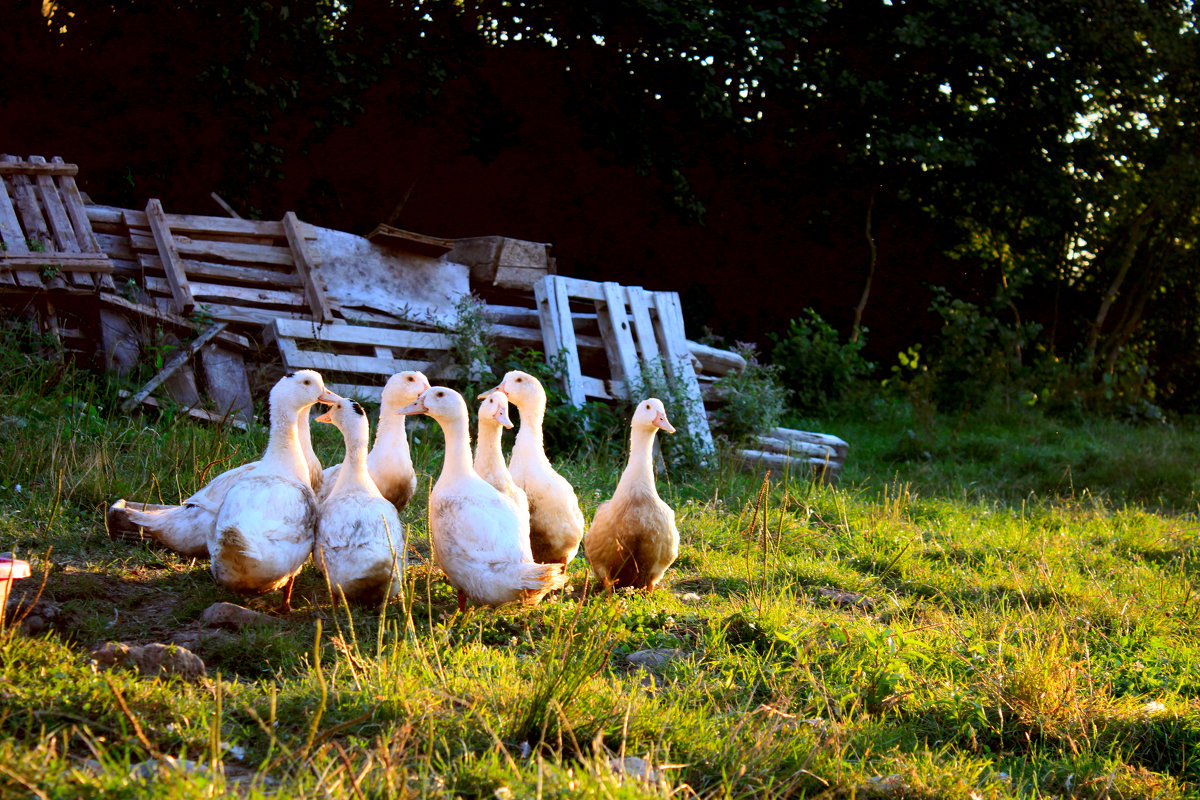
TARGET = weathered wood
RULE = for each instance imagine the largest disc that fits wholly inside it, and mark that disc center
(187, 224)
(158, 316)
(202, 292)
(79, 219)
(836, 444)
(202, 414)
(228, 209)
(36, 166)
(34, 233)
(827, 471)
(240, 315)
(793, 447)
(61, 229)
(418, 243)
(717, 361)
(678, 363)
(306, 267)
(164, 240)
(615, 333)
(181, 386)
(558, 334)
(362, 335)
(225, 272)
(226, 383)
(63, 262)
(235, 252)
(173, 364)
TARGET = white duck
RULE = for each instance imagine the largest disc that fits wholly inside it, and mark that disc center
(184, 528)
(489, 458)
(359, 541)
(633, 538)
(478, 538)
(264, 530)
(555, 519)
(390, 462)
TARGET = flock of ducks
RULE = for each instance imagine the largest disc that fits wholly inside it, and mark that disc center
(501, 532)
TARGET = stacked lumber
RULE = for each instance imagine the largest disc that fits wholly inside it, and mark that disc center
(798, 452)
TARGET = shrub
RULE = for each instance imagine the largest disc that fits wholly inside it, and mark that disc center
(755, 399)
(815, 366)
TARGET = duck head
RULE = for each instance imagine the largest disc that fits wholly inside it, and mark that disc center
(439, 402)
(495, 409)
(344, 413)
(521, 388)
(299, 390)
(651, 413)
(402, 389)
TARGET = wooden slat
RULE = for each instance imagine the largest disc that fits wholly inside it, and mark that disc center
(165, 318)
(63, 262)
(242, 315)
(181, 293)
(196, 413)
(295, 358)
(306, 267)
(25, 203)
(11, 166)
(61, 229)
(643, 330)
(574, 287)
(558, 334)
(226, 381)
(614, 331)
(193, 223)
(174, 363)
(362, 335)
(225, 272)
(78, 216)
(236, 252)
(678, 363)
(203, 292)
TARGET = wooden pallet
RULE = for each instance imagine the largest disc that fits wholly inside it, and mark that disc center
(357, 360)
(640, 332)
(47, 239)
(801, 453)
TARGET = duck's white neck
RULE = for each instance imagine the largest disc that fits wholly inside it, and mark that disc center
(457, 460)
(354, 473)
(530, 442)
(489, 458)
(391, 442)
(284, 454)
(639, 472)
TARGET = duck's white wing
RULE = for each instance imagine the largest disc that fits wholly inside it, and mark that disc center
(262, 533)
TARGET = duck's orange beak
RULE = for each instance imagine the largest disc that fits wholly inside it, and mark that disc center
(661, 421)
(328, 398)
(324, 418)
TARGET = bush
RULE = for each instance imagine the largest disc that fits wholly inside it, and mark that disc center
(755, 399)
(815, 366)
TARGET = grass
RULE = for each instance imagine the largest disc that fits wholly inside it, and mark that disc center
(1029, 629)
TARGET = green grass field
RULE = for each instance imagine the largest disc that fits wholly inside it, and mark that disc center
(998, 607)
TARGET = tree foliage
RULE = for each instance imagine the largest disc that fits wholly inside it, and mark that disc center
(1039, 152)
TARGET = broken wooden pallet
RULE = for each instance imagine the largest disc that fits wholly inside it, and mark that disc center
(357, 360)
(642, 334)
(818, 455)
(47, 239)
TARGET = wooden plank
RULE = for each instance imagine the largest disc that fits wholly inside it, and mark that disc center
(235, 252)
(796, 448)
(574, 287)
(78, 216)
(418, 243)
(186, 224)
(615, 333)
(678, 364)
(643, 329)
(716, 361)
(306, 267)
(21, 241)
(296, 358)
(827, 471)
(225, 272)
(61, 228)
(203, 292)
(196, 413)
(560, 314)
(63, 262)
(362, 335)
(226, 382)
(174, 363)
(36, 166)
(126, 308)
(253, 317)
(181, 293)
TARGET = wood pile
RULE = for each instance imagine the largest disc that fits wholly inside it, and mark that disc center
(245, 299)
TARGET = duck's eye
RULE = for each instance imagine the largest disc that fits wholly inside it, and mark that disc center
(307, 382)
(409, 378)
(518, 380)
(441, 394)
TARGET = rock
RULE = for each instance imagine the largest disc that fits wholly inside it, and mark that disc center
(234, 617)
(654, 658)
(152, 660)
(689, 597)
(840, 597)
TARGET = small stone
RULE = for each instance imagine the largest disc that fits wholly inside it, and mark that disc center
(153, 660)
(655, 657)
(689, 597)
(841, 597)
(234, 617)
